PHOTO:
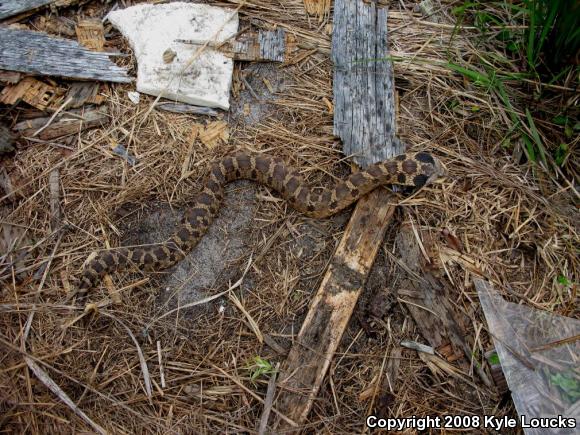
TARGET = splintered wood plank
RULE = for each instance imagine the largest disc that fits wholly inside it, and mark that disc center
(364, 115)
(259, 46)
(63, 124)
(9, 8)
(428, 300)
(38, 53)
(91, 34)
(34, 92)
(330, 311)
(364, 103)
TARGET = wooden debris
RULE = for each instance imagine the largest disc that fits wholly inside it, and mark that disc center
(34, 92)
(121, 151)
(9, 8)
(332, 306)
(268, 401)
(9, 77)
(81, 93)
(14, 184)
(55, 26)
(343, 282)
(186, 108)
(260, 46)
(6, 140)
(426, 299)
(497, 373)
(38, 53)
(55, 210)
(63, 124)
(91, 34)
(362, 72)
(214, 133)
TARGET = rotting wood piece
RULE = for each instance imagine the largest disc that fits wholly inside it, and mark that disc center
(38, 53)
(428, 302)
(263, 45)
(63, 124)
(91, 34)
(34, 92)
(10, 77)
(331, 308)
(81, 93)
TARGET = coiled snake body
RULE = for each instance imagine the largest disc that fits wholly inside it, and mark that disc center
(411, 169)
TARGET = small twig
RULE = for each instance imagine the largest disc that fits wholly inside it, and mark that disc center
(52, 386)
(268, 400)
(54, 115)
(205, 300)
(143, 363)
(161, 372)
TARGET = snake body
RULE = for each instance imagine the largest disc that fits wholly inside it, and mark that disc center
(410, 169)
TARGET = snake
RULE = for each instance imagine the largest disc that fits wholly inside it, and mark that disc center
(409, 169)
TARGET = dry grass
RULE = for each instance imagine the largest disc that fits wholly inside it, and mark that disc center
(130, 370)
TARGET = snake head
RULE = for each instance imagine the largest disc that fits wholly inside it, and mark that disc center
(439, 171)
(429, 167)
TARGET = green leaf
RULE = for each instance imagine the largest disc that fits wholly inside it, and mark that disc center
(493, 359)
(560, 120)
(529, 147)
(561, 153)
(535, 135)
(563, 280)
(569, 383)
(476, 77)
(261, 367)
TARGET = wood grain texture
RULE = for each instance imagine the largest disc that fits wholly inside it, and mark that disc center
(38, 53)
(364, 118)
(9, 8)
(330, 311)
(429, 301)
(263, 45)
(364, 115)
(63, 124)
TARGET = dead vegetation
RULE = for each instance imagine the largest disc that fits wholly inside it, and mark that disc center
(131, 368)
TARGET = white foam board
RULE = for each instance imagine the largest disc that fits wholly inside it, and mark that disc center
(153, 30)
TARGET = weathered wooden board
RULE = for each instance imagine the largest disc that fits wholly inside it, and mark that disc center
(364, 103)
(9, 8)
(63, 124)
(38, 53)
(330, 311)
(428, 301)
(364, 115)
(263, 45)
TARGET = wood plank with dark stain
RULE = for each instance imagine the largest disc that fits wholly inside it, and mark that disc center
(332, 306)
(364, 118)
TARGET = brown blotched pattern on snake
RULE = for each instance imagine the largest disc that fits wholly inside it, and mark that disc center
(411, 169)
